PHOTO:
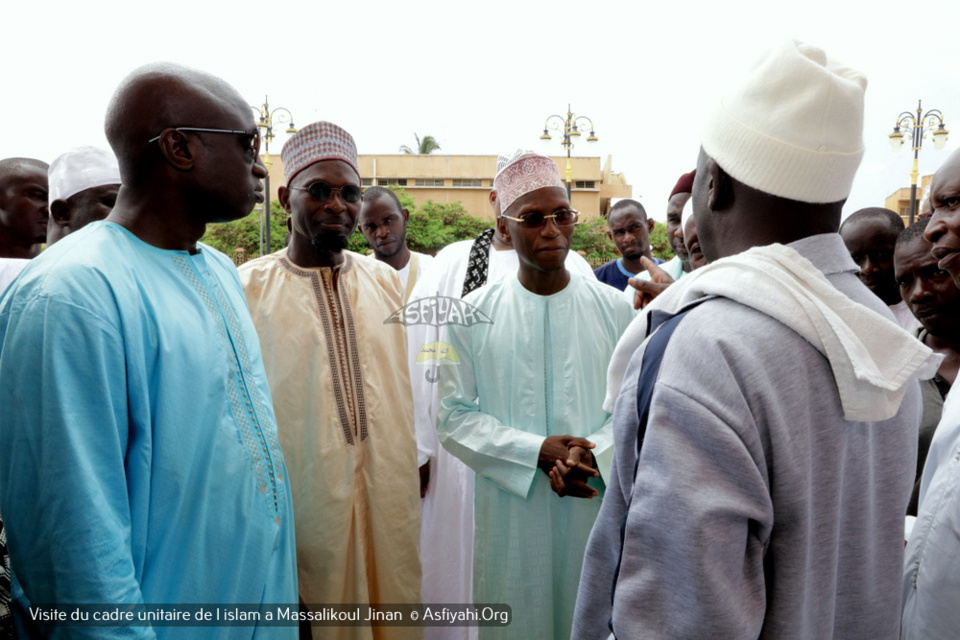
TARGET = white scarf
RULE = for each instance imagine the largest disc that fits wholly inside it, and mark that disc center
(871, 357)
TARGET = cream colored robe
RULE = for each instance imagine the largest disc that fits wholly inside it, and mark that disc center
(341, 390)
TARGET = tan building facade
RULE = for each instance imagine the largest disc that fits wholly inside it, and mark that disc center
(469, 179)
(899, 200)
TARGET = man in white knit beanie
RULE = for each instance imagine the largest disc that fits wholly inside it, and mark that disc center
(764, 450)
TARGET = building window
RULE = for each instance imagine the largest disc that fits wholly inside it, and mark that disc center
(458, 182)
(429, 182)
(366, 182)
(584, 184)
(385, 182)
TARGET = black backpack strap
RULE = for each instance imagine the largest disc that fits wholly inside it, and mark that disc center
(649, 372)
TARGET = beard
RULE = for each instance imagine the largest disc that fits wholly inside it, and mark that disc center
(632, 253)
(328, 242)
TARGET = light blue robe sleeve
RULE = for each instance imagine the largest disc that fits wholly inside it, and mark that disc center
(603, 452)
(505, 455)
(63, 445)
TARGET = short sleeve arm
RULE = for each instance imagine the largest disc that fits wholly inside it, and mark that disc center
(63, 447)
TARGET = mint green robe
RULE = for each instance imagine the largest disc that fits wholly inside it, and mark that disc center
(538, 370)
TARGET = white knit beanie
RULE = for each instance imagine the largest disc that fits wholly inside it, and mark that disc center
(793, 127)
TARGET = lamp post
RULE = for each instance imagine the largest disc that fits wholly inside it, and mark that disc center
(918, 125)
(571, 129)
(267, 118)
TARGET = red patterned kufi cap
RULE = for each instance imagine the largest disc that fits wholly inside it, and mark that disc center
(314, 143)
(527, 173)
(684, 184)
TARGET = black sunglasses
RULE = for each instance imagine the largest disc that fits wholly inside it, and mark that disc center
(321, 192)
(251, 142)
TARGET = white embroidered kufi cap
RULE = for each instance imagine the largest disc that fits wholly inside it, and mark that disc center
(504, 160)
(524, 174)
(80, 169)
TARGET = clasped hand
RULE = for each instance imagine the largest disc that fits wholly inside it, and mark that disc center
(569, 463)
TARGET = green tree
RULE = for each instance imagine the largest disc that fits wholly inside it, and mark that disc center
(437, 224)
(243, 235)
(357, 242)
(424, 147)
(659, 242)
(590, 239)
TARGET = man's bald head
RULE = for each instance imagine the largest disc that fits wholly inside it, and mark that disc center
(188, 150)
(159, 96)
(886, 217)
(15, 166)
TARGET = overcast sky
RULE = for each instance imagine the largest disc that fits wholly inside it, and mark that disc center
(481, 77)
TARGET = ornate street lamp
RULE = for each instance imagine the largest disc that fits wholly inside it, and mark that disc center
(571, 126)
(267, 118)
(919, 126)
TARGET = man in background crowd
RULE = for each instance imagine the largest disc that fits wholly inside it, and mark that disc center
(934, 299)
(383, 221)
(23, 207)
(679, 197)
(931, 583)
(23, 214)
(83, 188)
(655, 278)
(870, 235)
(629, 229)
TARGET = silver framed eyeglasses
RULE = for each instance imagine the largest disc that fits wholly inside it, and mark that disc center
(251, 145)
(563, 218)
